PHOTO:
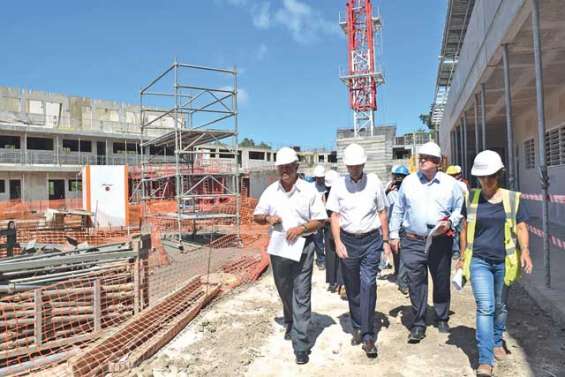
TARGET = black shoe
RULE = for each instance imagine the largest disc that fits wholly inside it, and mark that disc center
(302, 357)
(416, 335)
(287, 332)
(403, 290)
(443, 327)
(357, 338)
(370, 348)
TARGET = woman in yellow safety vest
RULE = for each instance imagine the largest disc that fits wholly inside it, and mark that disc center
(495, 240)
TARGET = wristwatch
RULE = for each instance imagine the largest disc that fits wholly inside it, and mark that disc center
(386, 241)
(305, 228)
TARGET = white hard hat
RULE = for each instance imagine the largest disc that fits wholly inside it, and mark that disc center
(331, 177)
(430, 149)
(486, 163)
(286, 155)
(354, 154)
(319, 171)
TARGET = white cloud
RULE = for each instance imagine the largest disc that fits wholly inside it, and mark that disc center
(305, 24)
(261, 15)
(262, 51)
(242, 96)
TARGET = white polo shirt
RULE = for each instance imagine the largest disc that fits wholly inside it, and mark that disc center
(300, 205)
(358, 203)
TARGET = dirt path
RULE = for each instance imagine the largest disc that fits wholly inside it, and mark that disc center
(241, 336)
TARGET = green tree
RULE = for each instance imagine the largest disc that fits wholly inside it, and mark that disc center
(246, 142)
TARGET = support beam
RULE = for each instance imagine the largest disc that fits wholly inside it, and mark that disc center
(477, 135)
(465, 145)
(483, 118)
(510, 163)
(540, 105)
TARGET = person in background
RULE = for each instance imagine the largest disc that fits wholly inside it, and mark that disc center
(399, 172)
(456, 172)
(427, 200)
(11, 238)
(293, 205)
(320, 236)
(360, 228)
(333, 269)
(495, 247)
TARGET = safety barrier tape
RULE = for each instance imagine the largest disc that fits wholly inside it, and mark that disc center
(554, 240)
(539, 197)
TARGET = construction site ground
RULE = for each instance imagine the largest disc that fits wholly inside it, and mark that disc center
(241, 335)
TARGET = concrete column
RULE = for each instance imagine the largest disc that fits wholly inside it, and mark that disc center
(465, 145)
(477, 135)
(510, 163)
(483, 118)
(540, 106)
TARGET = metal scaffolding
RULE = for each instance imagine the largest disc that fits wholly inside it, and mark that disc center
(177, 109)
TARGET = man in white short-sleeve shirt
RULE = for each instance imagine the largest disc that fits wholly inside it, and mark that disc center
(294, 206)
(360, 228)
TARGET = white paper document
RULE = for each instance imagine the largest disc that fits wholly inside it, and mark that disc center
(458, 280)
(429, 239)
(280, 246)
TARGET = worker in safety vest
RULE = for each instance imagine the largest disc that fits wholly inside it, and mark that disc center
(319, 237)
(429, 201)
(496, 248)
(456, 172)
(294, 210)
(359, 225)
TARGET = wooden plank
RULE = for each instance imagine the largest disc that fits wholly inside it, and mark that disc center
(136, 331)
(46, 346)
(97, 305)
(38, 308)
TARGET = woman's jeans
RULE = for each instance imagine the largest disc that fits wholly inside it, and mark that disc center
(487, 280)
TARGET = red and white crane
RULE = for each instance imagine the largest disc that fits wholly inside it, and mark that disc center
(362, 78)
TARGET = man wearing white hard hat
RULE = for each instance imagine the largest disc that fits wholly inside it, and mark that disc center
(320, 185)
(428, 200)
(292, 205)
(360, 229)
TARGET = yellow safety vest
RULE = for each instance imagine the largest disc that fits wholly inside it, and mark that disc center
(510, 200)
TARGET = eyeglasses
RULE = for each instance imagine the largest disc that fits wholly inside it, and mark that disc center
(425, 157)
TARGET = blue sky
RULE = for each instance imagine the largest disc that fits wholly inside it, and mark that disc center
(288, 53)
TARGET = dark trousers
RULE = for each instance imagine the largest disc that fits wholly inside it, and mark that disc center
(400, 271)
(294, 284)
(319, 242)
(417, 263)
(333, 265)
(360, 270)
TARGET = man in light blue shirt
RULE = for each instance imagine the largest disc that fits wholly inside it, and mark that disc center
(427, 198)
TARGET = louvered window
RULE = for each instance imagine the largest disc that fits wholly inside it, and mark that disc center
(553, 147)
(530, 154)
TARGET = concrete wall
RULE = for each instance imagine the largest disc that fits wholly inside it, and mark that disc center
(491, 22)
(35, 184)
(525, 128)
(259, 181)
(58, 111)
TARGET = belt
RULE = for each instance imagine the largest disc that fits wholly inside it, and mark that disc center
(360, 235)
(414, 236)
